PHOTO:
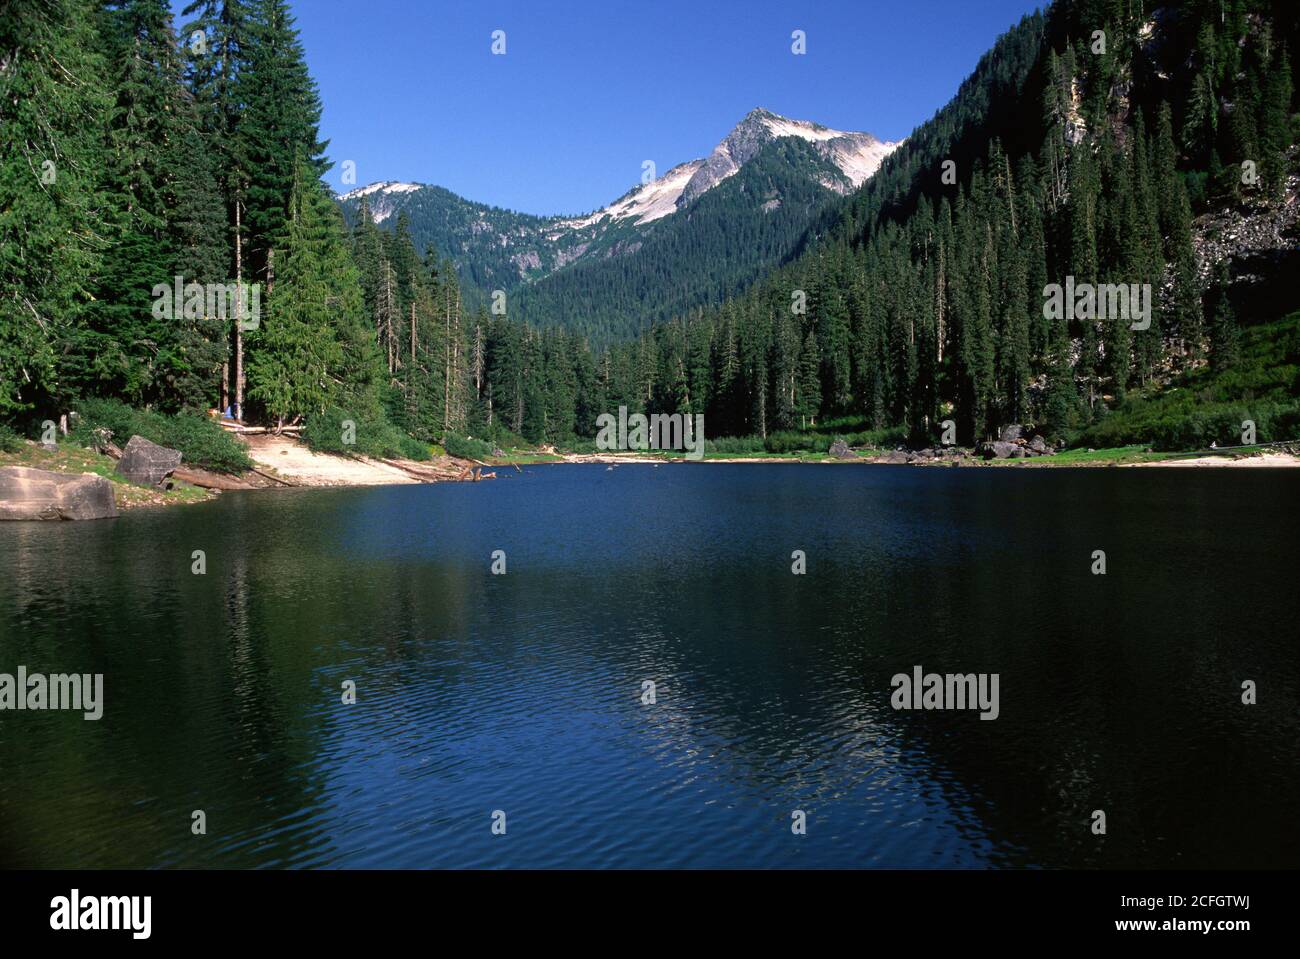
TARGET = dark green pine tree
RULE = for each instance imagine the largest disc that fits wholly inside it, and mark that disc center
(1188, 320)
(153, 202)
(1015, 372)
(754, 365)
(809, 391)
(1185, 320)
(1082, 262)
(368, 252)
(52, 99)
(1166, 180)
(785, 372)
(197, 228)
(278, 128)
(533, 421)
(217, 41)
(590, 400)
(1201, 123)
(1122, 269)
(506, 369)
(1149, 254)
(314, 348)
(560, 384)
(975, 348)
(1224, 334)
(1275, 124)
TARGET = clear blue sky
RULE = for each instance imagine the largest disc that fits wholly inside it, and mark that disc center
(589, 89)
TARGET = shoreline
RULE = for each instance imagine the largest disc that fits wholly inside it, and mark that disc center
(281, 462)
(278, 463)
(289, 462)
(1067, 459)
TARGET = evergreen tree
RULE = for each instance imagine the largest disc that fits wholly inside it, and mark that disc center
(279, 125)
(314, 348)
(1224, 335)
(52, 83)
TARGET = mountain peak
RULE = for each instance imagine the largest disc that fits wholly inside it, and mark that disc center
(382, 186)
(380, 196)
(857, 155)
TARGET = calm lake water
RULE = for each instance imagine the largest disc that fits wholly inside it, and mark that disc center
(523, 692)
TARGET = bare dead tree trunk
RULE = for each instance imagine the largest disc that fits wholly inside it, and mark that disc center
(239, 334)
(446, 369)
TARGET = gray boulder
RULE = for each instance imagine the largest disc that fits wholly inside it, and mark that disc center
(840, 450)
(896, 458)
(147, 463)
(1011, 433)
(41, 494)
(1039, 445)
(998, 450)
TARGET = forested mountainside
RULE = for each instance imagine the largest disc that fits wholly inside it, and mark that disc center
(716, 247)
(1078, 152)
(154, 191)
(703, 230)
(1094, 144)
(492, 248)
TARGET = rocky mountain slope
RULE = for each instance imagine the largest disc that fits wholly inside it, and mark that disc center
(803, 166)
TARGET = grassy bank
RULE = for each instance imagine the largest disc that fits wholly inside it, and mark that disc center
(68, 457)
(202, 442)
(1204, 406)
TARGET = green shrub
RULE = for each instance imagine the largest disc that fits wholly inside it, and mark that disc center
(889, 436)
(734, 445)
(466, 447)
(202, 442)
(793, 442)
(413, 449)
(10, 442)
(502, 438)
(370, 431)
(324, 432)
(1204, 406)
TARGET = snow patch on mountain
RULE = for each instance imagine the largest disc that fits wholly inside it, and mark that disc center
(785, 127)
(385, 186)
(856, 155)
(859, 155)
(381, 206)
(647, 203)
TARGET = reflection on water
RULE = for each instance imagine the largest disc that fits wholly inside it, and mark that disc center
(523, 692)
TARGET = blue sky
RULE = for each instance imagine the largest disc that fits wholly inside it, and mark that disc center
(589, 89)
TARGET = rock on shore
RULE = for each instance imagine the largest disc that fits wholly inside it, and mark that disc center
(147, 463)
(32, 494)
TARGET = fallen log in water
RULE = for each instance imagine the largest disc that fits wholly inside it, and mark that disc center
(273, 479)
(207, 480)
(431, 474)
(425, 474)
